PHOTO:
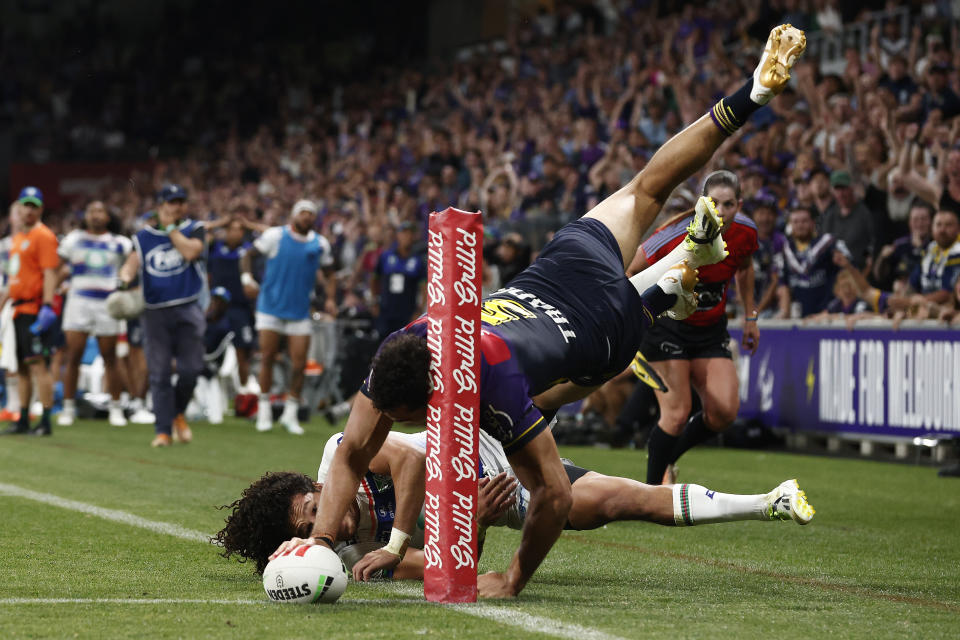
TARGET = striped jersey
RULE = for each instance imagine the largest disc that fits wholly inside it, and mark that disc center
(938, 269)
(94, 260)
(377, 500)
(741, 239)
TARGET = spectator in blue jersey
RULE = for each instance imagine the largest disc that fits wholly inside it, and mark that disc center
(806, 267)
(399, 281)
(297, 257)
(939, 269)
(168, 258)
(849, 220)
(897, 261)
(223, 269)
(770, 244)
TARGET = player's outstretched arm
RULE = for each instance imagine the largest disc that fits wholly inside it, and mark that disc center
(539, 469)
(404, 463)
(363, 436)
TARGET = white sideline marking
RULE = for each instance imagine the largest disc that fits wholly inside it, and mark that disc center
(174, 530)
(266, 603)
(502, 615)
(515, 618)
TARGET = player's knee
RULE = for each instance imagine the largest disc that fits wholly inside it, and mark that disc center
(720, 417)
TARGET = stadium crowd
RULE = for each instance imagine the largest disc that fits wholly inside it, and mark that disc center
(852, 177)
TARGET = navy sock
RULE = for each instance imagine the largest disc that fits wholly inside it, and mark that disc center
(656, 301)
(732, 112)
(659, 449)
(693, 434)
(45, 417)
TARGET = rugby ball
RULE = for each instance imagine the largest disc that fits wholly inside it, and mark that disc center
(304, 575)
(125, 305)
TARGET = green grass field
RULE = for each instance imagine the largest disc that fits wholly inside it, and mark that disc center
(880, 560)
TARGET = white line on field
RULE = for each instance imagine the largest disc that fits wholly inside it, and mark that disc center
(502, 615)
(516, 618)
(264, 602)
(174, 530)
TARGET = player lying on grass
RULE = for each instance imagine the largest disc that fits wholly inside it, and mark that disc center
(575, 321)
(280, 506)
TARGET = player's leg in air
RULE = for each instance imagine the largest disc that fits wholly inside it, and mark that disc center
(629, 212)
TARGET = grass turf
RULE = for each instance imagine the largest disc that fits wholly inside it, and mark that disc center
(879, 560)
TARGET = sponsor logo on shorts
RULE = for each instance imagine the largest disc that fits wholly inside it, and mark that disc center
(671, 348)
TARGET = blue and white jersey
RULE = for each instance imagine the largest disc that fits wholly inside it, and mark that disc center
(808, 270)
(377, 500)
(938, 270)
(291, 271)
(166, 276)
(94, 260)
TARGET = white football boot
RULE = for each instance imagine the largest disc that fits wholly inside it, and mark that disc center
(289, 419)
(116, 417)
(784, 45)
(680, 280)
(264, 416)
(788, 502)
(67, 416)
(704, 245)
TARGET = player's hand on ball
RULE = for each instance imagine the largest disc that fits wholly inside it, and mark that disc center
(293, 543)
(495, 497)
(379, 559)
(494, 585)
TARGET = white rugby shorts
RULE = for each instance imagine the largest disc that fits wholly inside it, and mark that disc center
(89, 315)
(284, 327)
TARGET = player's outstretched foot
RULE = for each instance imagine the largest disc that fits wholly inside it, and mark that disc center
(788, 502)
(680, 280)
(784, 46)
(703, 243)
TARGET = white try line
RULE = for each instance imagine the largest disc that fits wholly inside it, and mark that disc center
(262, 603)
(510, 616)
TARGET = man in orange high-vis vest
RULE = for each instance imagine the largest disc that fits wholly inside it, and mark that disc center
(33, 282)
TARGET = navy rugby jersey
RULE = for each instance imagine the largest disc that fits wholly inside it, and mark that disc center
(506, 411)
(223, 265)
(810, 271)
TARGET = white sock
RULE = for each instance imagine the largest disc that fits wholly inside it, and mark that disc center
(649, 276)
(264, 410)
(13, 394)
(291, 407)
(695, 504)
(70, 405)
(115, 405)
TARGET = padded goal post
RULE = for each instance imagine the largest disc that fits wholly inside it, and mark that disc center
(454, 265)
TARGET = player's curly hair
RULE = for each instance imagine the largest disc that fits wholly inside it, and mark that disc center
(400, 376)
(260, 520)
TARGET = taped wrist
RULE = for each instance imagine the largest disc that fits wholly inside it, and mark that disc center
(398, 542)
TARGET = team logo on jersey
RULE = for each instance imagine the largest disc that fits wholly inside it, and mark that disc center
(499, 310)
(165, 261)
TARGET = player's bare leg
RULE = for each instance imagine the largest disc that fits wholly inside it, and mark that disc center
(629, 212)
(600, 499)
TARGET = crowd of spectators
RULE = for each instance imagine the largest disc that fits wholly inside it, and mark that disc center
(535, 128)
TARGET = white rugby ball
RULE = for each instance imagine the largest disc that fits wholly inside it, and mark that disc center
(305, 574)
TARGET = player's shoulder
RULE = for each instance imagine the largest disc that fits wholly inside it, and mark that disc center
(671, 230)
(743, 222)
(328, 450)
(41, 230)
